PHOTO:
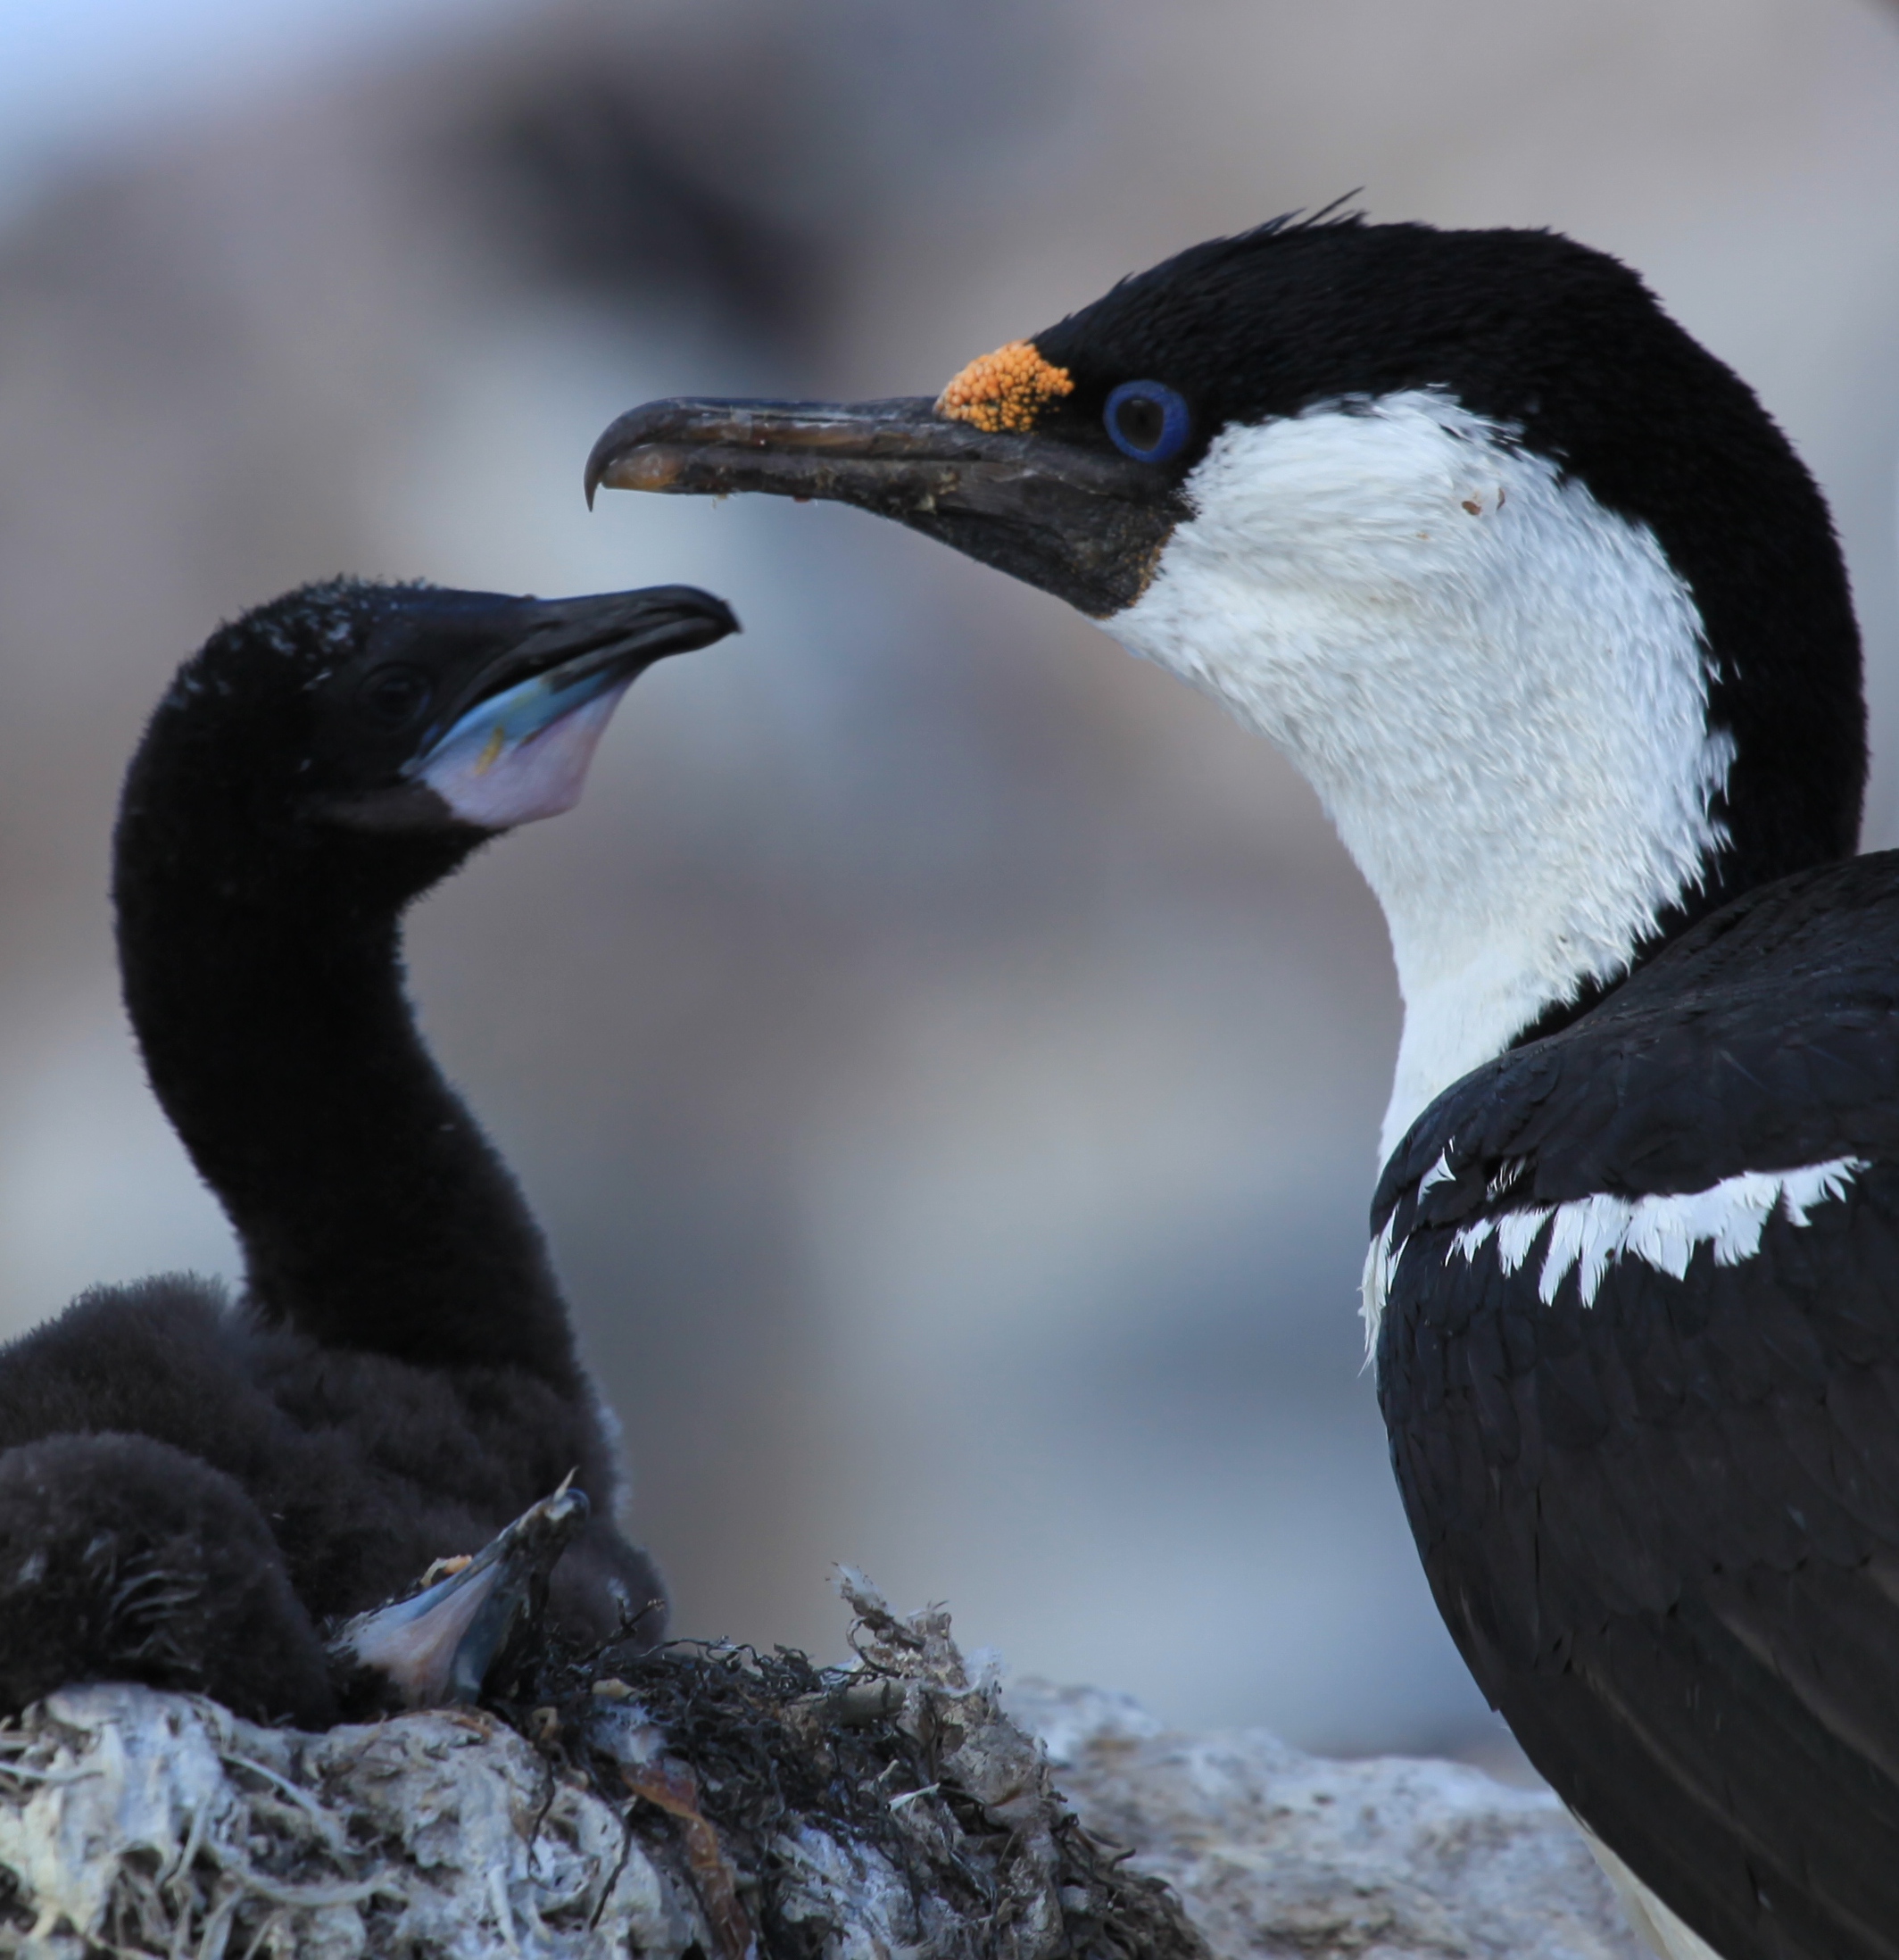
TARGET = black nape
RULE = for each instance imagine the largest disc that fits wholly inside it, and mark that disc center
(190, 1488)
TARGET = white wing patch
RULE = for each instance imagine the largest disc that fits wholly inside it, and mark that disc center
(1587, 1235)
(1380, 1262)
(1440, 1172)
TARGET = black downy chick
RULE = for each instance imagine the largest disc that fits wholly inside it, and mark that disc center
(189, 1489)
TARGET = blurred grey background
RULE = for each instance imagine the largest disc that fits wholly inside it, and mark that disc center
(946, 1054)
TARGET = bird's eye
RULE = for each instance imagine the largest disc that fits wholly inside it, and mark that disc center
(396, 694)
(1148, 420)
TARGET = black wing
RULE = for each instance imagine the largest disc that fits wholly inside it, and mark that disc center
(1660, 1514)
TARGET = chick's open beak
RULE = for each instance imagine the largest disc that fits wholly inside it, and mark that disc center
(441, 1644)
(516, 745)
(1076, 520)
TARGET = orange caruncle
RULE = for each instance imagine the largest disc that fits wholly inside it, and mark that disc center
(1004, 390)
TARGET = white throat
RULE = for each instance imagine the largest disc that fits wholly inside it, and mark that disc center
(1498, 687)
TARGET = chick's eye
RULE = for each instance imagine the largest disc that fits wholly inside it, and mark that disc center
(1148, 420)
(396, 694)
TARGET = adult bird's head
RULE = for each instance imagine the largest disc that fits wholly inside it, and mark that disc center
(379, 733)
(1524, 580)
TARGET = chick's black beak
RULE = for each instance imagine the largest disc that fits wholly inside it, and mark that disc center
(1079, 520)
(614, 634)
(443, 1643)
(513, 742)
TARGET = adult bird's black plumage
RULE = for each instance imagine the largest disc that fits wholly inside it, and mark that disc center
(1660, 1514)
(1553, 617)
(190, 1489)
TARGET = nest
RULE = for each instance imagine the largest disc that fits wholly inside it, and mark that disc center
(800, 1796)
(702, 1798)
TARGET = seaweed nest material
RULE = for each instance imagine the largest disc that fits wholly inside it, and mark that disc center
(702, 1800)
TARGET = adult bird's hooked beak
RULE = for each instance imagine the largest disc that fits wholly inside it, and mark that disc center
(1069, 515)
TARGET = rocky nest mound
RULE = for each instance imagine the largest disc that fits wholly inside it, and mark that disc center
(704, 1801)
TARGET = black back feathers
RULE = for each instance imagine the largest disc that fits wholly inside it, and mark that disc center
(1657, 1497)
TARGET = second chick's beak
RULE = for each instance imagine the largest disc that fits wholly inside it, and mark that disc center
(1049, 504)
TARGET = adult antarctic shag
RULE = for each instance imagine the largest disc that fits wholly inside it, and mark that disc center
(189, 1492)
(1539, 599)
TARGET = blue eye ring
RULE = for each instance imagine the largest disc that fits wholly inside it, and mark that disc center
(1148, 420)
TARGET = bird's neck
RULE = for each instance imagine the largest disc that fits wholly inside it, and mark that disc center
(1500, 689)
(1509, 902)
(266, 992)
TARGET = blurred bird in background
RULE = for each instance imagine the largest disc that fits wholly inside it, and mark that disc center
(966, 1053)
